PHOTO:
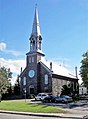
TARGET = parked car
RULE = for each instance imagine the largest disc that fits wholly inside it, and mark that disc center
(63, 99)
(40, 96)
(49, 98)
(68, 98)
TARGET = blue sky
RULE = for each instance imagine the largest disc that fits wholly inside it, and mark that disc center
(63, 25)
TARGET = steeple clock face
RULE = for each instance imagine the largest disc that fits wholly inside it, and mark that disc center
(31, 73)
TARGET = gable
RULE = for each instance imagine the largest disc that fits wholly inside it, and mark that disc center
(23, 72)
(44, 66)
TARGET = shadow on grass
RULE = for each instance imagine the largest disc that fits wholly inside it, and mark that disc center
(37, 105)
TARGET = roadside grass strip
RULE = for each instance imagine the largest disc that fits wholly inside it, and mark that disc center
(28, 107)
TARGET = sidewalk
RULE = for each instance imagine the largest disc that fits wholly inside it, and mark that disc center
(58, 115)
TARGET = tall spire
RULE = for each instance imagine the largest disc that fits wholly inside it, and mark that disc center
(36, 27)
(36, 38)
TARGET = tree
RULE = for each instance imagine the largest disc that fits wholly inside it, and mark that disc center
(66, 90)
(84, 69)
(17, 86)
(5, 75)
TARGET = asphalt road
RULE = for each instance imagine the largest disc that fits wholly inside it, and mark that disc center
(14, 116)
(80, 105)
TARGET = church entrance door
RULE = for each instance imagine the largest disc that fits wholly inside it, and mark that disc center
(31, 89)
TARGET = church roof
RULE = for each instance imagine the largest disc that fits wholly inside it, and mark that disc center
(36, 27)
(38, 52)
(58, 69)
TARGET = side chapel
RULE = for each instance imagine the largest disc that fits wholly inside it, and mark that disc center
(40, 75)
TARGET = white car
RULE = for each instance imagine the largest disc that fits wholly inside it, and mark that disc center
(40, 96)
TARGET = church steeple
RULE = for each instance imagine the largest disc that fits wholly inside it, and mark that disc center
(36, 27)
(35, 39)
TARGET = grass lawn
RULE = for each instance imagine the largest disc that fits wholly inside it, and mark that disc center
(28, 107)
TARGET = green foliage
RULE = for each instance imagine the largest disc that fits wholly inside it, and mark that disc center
(84, 69)
(65, 90)
(28, 107)
(17, 86)
(5, 75)
(75, 98)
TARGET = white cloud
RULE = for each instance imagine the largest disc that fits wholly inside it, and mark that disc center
(15, 53)
(4, 49)
(2, 46)
(62, 61)
(14, 65)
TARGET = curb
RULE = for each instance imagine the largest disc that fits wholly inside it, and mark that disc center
(32, 114)
(59, 115)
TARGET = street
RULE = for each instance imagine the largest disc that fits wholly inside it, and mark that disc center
(14, 116)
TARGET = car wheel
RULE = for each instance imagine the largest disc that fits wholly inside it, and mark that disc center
(47, 101)
(43, 100)
(63, 101)
(55, 101)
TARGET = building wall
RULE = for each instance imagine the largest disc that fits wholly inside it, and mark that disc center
(31, 83)
(57, 84)
(38, 81)
(82, 90)
(41, 78)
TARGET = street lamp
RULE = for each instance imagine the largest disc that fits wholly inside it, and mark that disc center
(25, 94)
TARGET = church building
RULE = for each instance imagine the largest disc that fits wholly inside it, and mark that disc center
(42, 76)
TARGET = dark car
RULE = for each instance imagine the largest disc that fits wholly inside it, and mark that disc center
(68, 98)
(49, 98)
(63, 99)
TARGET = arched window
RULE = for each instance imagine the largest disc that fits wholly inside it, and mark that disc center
(33, 59)
(33, 44)
(24, 81)
(46, 79)
(29, 59)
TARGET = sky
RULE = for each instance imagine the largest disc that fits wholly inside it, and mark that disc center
(63, 25)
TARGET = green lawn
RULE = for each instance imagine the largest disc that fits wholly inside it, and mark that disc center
(28, 107)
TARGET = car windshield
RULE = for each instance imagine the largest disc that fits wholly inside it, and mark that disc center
(39, 95)
(43, 95)
(57, 96)
(65, 96)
